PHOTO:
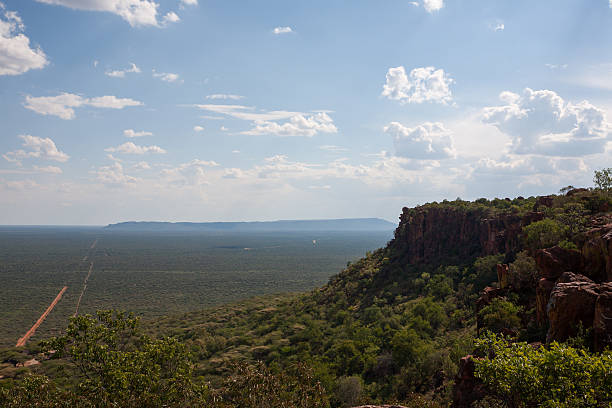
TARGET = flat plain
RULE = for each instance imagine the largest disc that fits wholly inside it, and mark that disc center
(155, 274)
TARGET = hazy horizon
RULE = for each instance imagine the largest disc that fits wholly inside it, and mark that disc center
(190, 110)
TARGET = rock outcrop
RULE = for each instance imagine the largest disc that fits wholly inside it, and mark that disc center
(578, 301)
(426, 233)
(467, 387)
(552, 262)
(597, 253)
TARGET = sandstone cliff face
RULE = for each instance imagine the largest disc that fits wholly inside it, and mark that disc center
(428, 233)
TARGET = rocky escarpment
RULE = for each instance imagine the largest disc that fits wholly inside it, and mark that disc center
(573, 292)
(446, 232)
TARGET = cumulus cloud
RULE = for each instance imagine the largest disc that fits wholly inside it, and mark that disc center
(132, 133)
(135, 12)
(225, 96)
(36, 148)
(499, 27)
(114, 175)
(428, 141)
(198, 128)
(63, 104)
(194, 172)
(131, 148)
(167, 76)
(143, 165)
(189, 2)
(298, 125)
(170, 17)
(282, 30)
(16, 54)
(266, 122)
(542, 122)
(121, 73)
(426, 84)
(433, 5)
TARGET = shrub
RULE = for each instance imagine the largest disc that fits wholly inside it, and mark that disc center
(520, 375)
(543, 234)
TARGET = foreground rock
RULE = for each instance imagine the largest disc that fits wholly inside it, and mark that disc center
(578, 301)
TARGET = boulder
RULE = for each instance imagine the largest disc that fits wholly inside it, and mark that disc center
(597, 253)
(467, 387)
(575, 191)
(602, 319)
(543, 290)
(544, 201)
(571, 304)
(552, 262)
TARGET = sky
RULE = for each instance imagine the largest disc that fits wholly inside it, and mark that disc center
(223, 110)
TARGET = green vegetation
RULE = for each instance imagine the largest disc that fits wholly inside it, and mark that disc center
(603, 180)
(155, 275)
(521, 375)
(383, 330)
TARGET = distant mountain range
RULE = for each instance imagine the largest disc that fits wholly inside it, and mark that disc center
(345, 224)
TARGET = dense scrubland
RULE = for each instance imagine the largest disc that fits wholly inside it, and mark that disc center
(158, 274)
(459, 278)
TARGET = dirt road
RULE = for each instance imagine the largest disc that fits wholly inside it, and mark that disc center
(22, 341)
(76, 311)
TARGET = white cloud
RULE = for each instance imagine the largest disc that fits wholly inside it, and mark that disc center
(428, 141)
(198, 128)
(282, 30)
(21, 185)
(143, 165)
(426, 84)
(114, 175)
(132, 133)
(131, 148)
(298, 125)
(167, 76)
(194, 172)
(433, 5)
(63, 104)
(223, 129)
(48, 169)
(121, 73)
(225, 96)
(16, 55)
(499, 27)
(189, 2)
(333, 148)
(556, 66)
(170, 17)
(36, 148)
(541, 122)
(135, 12)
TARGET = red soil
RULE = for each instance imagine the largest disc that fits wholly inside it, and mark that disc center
(22, 341)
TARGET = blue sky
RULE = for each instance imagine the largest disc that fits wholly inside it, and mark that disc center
(202, 110)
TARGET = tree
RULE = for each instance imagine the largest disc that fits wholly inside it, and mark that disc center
(120, 366)
(499, 315)
(520, 375)
(603, 180)
(543, 234)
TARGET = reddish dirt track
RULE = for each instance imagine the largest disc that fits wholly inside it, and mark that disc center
(22, 341)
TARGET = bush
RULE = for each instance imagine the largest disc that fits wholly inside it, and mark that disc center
(499, 315)
(520, 375)
(543, 234)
